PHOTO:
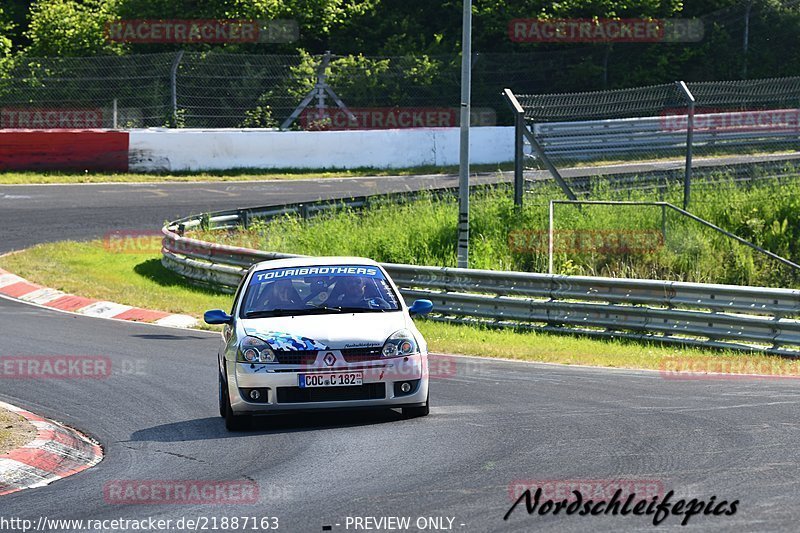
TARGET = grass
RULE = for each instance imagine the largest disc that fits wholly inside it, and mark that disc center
(15, 431)
(589, 241)
(244, 174)
(92, 270)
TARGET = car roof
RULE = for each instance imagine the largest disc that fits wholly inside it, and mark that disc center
(313, 261)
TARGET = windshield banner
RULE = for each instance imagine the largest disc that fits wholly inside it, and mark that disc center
(327, 270)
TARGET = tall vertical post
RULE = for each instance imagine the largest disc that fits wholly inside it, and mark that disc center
(174, 86)
(746, 37)
(463, 169)
(114, 114)
(519, 145)
(321, 81)
(550, 238)
(519, 155)
(687, 176)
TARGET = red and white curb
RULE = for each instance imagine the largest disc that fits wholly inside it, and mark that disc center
(16, 287)
(56, 452)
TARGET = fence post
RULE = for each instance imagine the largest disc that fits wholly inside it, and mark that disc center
(519, 145)
(114, 114)
(174, 86)
(687, 177)
(550, 236)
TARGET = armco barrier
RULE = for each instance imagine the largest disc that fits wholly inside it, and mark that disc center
(719, 316)
(598, 139)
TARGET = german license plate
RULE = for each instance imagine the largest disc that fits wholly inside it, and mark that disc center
(337, 379)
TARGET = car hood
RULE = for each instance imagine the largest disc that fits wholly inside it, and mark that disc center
(326, 332)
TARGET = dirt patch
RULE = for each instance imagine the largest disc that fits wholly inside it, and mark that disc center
(15, 431)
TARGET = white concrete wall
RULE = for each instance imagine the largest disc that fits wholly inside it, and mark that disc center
(175, 150)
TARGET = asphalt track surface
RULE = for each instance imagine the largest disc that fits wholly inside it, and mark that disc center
(492, 423)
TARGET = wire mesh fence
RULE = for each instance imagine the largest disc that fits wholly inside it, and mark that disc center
(736, 131)
(222, 90)
(227, 90)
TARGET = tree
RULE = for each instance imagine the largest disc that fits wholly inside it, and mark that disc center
(70, 28)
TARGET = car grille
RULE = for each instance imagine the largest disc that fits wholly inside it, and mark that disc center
(301, 357)
(359, 355)
(369, 391)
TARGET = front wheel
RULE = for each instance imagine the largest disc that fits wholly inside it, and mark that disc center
(233, 422)
(416, 412)
(223, 395)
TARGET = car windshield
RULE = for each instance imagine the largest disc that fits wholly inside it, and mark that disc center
(318, 290)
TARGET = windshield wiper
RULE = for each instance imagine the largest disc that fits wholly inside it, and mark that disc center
(345, 309)
(272, 312)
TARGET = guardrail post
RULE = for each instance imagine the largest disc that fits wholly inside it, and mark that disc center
(244, 218)
(205, 222)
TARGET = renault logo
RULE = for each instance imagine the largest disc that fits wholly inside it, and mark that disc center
(329, 359)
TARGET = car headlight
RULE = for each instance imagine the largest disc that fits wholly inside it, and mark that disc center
(254, 350)
(399, 344)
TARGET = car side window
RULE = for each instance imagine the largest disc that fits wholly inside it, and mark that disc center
(238, 293)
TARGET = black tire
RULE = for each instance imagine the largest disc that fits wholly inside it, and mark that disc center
(223, 397)
(234, 422)
(416, 412)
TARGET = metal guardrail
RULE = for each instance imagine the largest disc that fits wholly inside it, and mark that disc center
(592, 139)
(708, 315)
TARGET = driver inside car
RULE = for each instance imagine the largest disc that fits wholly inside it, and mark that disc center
(282, 295)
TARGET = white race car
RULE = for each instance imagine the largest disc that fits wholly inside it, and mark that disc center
(319, 333)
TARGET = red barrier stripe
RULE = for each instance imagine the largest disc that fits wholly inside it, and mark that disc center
(64, 150)
(71, 303)
(43, 460)
(21, 288)
(62, 437)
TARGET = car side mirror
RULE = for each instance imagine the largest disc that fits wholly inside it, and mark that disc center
(421, 307)
(217, 316)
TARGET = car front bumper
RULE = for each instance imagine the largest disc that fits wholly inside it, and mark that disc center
(279, 390)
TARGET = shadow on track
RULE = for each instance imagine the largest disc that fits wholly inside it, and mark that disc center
(214, 427)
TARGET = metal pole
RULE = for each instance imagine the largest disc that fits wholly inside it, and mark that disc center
(174, 86)
(687, 176)
(463, 170)
(321, 82)
(550, 240)
(114, 114)
(746, 43)
(519, 145)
